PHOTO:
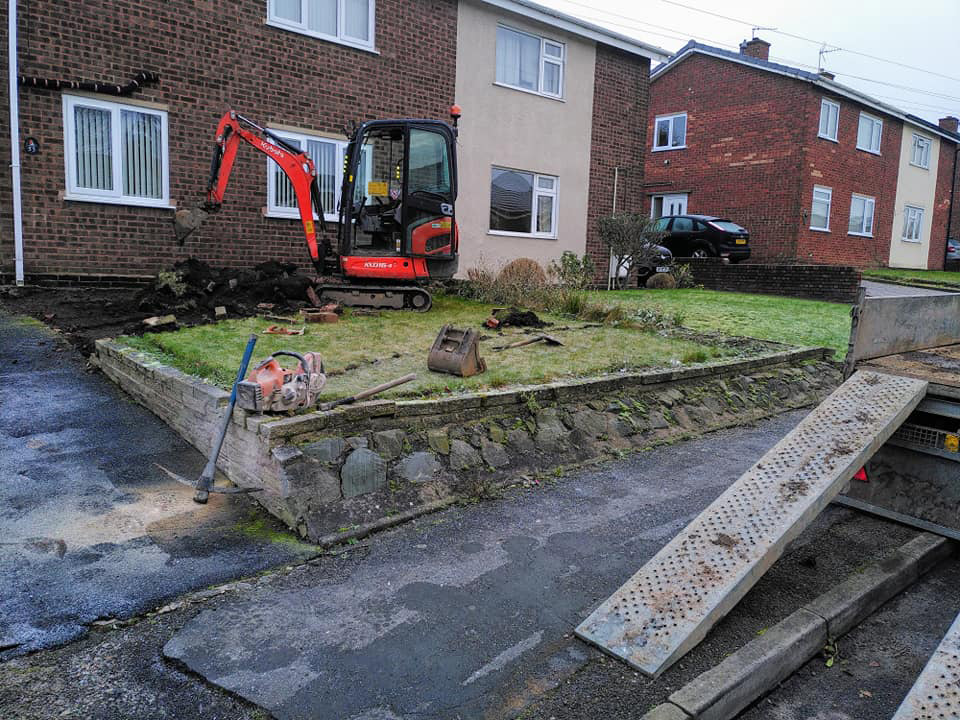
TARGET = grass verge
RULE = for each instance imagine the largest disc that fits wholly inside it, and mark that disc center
(787, 320)
(934, 278)
(362, 351)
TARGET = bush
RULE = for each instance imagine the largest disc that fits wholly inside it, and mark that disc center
(683, 276)
(522, 283)
(572, 272)
(661, 281)
(523, 272)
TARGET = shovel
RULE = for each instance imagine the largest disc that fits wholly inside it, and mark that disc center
(548, 339)
(204, 484)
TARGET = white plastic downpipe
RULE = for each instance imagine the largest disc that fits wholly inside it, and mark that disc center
(15, 140)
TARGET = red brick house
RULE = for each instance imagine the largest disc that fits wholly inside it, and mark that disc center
(305, 69)
(817, 171)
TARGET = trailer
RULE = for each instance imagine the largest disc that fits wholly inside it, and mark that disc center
(887, 442)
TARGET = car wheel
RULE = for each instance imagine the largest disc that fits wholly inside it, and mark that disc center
(702, 251)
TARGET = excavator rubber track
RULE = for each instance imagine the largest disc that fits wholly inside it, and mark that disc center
(402, 297)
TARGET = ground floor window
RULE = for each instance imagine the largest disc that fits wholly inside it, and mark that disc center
(327, 156)
(115, 152)
(912, 224)
(523, 203)
(820, 208)
(861, 215)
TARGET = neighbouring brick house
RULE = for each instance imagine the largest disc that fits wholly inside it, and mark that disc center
(551, 105)
(817, 171)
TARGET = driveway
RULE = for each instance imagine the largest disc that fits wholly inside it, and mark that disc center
(882, 289)
(89, 527)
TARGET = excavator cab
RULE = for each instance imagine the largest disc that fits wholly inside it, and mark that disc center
(397, 202)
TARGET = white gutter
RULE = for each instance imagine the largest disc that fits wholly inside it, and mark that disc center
(15, 141)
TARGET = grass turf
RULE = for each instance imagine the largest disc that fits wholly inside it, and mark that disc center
(362, 351)
(766, 317)
(943, 278)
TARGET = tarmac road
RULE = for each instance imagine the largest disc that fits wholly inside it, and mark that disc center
(89, 528)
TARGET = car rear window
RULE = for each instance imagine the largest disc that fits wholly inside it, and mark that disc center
(728, 226)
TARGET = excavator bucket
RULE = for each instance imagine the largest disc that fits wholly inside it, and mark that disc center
(456, 352)
(186, 221)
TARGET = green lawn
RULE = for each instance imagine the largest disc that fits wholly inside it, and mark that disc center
(362, 351)
(786, 320)
(927, 277)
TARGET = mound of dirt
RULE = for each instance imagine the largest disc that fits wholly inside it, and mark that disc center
(520, 318)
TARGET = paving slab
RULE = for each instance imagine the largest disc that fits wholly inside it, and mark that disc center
(89, 528)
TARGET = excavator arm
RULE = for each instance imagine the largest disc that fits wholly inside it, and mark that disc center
(294, 162)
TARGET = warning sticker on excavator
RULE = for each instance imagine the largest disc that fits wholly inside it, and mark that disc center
(308, 226)
(377, 189)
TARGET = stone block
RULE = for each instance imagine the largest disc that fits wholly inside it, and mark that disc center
(494, 454)
(520, 439)
(363, 472)
(439, 441)
(325, 450)
(666, 712)
(462, 456)
(389, 443)
(418, 468)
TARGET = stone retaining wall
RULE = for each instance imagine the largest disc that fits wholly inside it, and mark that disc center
(360, 465)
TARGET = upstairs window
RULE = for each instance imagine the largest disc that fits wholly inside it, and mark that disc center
(523, 203)
(344, 21)
(530, 62)
(829, 119)
(912, 224)
(115, 153)
(868, 133)
(920, 156)
(670, 132)
(820, 209)
(861, 215)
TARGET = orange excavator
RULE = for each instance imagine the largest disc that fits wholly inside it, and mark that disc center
(396, 220)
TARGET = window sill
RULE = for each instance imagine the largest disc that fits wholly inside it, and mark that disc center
(920, 167)
(532, 236)
(856, 234)
(285, 216)
(326, 38)
(823, 230)
(868, 150)
(827, 137)
(130, 202)
(912, 242)
(530, 92)
(664, 149)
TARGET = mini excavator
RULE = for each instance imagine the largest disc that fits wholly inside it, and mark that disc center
(396, 226)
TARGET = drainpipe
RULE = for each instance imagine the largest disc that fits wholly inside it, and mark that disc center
(616, 177)
(15, 140)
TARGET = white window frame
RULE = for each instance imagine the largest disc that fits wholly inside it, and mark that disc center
(877, 122)
(671, 117)
(828, 105)
(537, 192)
(829, 201)
(278, 211)
(544, 60)
(867, 200)
(115, 196)
(927, 145)
(341, 39)
(916, 213)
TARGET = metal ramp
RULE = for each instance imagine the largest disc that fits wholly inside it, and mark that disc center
(698, 577)
(936, 693)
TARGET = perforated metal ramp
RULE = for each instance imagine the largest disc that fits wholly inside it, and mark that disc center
(672, 602)
(936, 693)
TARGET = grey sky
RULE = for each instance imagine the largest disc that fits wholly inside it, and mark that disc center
(923, 34)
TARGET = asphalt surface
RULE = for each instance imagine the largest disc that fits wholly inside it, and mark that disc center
(882, 289)
(89, 528)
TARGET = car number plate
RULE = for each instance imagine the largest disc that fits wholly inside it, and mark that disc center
(741, 241)
(663, 269)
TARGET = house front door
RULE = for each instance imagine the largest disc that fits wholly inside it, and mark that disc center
(661, 205)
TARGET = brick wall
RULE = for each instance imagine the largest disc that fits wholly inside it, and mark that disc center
(955, 212)
(846, 170)
(744, 148)
(833, 283)
(210, 56)
(620, 106)
(942, 207)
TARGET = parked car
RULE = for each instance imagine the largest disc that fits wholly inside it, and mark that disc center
(704, 236)
(953, 254)
(662, 260)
